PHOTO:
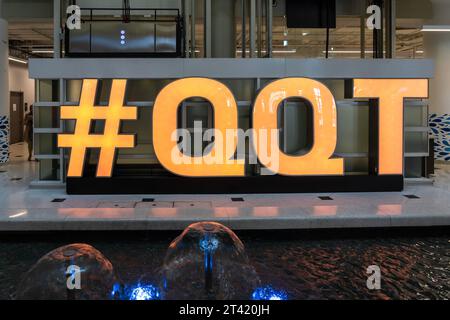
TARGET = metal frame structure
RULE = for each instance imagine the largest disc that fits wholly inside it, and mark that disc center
(154, 19)
(255, 69)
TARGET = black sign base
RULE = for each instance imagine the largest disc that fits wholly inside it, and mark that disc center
(234, 185)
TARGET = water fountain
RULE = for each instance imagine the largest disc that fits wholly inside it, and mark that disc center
(207, 261)
(72, 272)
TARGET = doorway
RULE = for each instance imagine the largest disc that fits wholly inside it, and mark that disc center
(16, 117)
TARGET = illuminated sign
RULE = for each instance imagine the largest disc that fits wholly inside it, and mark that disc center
(109, 141)
(219, 159)
(390, 94)
(317, 161)
(215, 163)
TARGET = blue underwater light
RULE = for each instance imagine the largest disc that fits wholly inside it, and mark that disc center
(268, 293)
(144, 292)
(116, 291)
(208, 243)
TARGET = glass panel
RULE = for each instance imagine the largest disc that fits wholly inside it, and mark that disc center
(353, 129)
(416, 142)
(45, 144)
(46, 117)
(337, 88)
(416, 116)
(142, 128)
(193, 113)
(48, 90)
(414, 167)
(49, 170)
(145, 90)
(295, 124)
(243, 89)
(356, 166)
(103, 92)
(265, 81)
(73, 90)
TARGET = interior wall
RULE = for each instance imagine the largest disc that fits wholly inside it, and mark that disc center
(4, 97)
(19, 81)
(437, 48)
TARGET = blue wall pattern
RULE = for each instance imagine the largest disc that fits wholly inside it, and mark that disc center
(440, 128)
(4, 139)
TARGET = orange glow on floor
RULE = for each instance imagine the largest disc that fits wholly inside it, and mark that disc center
(325, 211)
(266, 211)
(389, 210)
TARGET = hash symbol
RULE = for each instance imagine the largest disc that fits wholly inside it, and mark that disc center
(109, 141)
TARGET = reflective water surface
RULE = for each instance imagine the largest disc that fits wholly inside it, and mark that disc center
(415, 264)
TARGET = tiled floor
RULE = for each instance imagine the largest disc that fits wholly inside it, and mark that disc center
(24, 208)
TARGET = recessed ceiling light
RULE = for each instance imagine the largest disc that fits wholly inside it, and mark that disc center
(349, 51)
(435, 28)
(17, 60)
(273, 51)
(42, 51)
(285, 51)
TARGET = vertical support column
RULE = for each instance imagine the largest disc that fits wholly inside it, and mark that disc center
(207, 28)
(378, 53)
(4, 91)
(373, 136)
(183, 33)
(62, 100)
(193, 44)
(378, 39)
(187, 36)
(269, 28)
(391, 26)
(259, 17)
(252, 28)
(56, 29)
(362, 39)
(244, 28)
(223, 29)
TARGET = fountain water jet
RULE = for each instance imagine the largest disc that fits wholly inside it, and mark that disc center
(77, 264)
(207, 261)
